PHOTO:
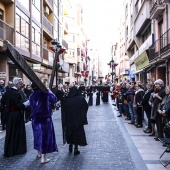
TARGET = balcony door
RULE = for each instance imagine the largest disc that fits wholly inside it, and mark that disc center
(1, 18)
(160, 32)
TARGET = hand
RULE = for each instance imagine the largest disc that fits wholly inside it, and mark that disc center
(159, 111)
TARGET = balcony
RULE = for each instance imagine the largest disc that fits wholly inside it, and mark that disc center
(6, 32)
(48, 26)
(7, 1)
(165, 42)
(166, 1)
(45, 54)
(160, 46)
(64, 43)
(142, 18)
(154, 50)
(50, 58)
(157, 9)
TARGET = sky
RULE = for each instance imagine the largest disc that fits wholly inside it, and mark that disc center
(101, 19)
(101, 22)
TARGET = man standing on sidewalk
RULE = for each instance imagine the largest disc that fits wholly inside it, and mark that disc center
(130, 99)
(74, 116)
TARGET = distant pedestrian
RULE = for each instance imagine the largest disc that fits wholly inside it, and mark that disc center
(90, 102)
(2, 113)
(98, 97)
(42, 124)
(74, 116)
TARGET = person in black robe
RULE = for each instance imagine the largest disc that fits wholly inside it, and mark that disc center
(98, 97)
(90, 102)
(74, 116)
(15, 139)
(105, 91)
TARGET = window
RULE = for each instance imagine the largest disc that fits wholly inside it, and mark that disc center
(36, 9)
(22, 28)
(25, 3)
(56, 10)
(146, 34)
(36, 39)
(1, 14)
(70, 37)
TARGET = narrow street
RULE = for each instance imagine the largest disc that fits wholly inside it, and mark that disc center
(110, 146)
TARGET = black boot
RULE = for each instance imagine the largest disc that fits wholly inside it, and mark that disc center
(76, 151)
(70, 148)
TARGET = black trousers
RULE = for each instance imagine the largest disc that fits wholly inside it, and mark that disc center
(140, 115)
(159, 125)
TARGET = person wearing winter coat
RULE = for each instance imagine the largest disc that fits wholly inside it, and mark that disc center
(138, 103)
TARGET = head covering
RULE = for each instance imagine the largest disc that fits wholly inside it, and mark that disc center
(73, 92)
(159, 81)
(34, 86)
(1, 82)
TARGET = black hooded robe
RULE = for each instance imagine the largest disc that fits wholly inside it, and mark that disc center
(98, 98)
(74, 116)
(15, 139)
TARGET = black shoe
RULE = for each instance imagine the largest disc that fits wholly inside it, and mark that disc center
(156, 139)
(70, 148)
(139, 126)
(119, 116)
(132, 123)
(114, 104)
(148, 131)
(152, 134)
(76, 152)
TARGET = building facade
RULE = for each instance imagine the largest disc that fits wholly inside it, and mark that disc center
(31, 26)
(147, 39)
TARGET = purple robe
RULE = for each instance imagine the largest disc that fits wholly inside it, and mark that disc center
(42, 125)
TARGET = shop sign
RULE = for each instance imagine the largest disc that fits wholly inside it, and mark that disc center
(36, 66)
(142, 61)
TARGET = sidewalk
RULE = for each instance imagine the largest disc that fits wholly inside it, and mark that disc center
(149, 149)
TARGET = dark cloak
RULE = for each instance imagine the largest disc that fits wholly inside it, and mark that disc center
(15, 139)
(98, 98)
(74, 116)
(90, 102)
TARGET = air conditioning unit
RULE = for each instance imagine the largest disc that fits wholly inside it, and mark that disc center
(46, 10)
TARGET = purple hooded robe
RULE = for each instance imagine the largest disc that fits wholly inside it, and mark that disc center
(42, 125)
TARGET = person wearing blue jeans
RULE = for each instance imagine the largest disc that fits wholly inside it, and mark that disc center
(131, 111)
(130, 99)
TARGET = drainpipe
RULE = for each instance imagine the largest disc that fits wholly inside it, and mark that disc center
(166, 16)
(167, 73)
(167, 69)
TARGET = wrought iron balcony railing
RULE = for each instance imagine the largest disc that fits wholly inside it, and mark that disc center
(154, 4)
(160, 46)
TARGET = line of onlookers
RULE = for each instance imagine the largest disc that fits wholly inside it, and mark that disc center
(134, 100)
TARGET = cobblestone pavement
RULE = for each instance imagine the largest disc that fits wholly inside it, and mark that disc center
(107, 147)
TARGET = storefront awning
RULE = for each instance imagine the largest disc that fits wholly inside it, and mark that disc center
(138, 71)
